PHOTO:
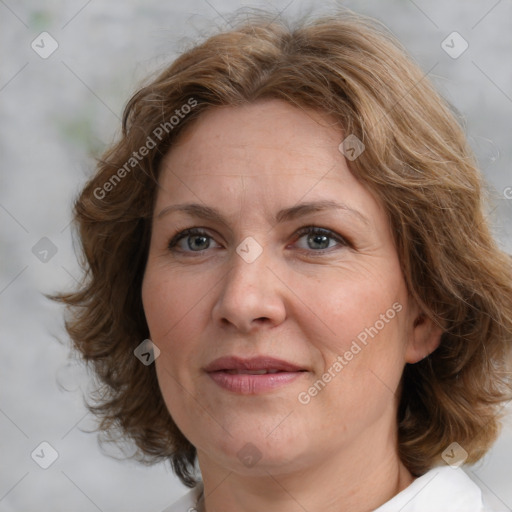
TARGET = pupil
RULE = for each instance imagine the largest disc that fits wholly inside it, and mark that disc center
(203, 238)
(322, 238)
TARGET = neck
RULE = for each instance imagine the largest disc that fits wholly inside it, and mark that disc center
(359, 478)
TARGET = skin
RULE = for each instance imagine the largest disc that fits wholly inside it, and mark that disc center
(299, 300)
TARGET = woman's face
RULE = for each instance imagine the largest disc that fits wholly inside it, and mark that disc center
(280, 345)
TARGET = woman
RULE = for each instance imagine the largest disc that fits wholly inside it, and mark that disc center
(290, 279)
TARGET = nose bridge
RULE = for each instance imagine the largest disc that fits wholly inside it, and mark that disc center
(248, 268)
(250, 290)
(251, 259)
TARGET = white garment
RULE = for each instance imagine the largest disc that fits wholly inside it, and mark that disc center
(442, 489)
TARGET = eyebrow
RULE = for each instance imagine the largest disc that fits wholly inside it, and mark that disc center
(285, 215)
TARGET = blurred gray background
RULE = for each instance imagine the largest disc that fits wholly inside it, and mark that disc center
(60, 110)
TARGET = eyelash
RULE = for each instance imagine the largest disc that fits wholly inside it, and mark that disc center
(306, 230)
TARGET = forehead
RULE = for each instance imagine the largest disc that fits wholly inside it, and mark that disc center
(268, 154)
(264, 138)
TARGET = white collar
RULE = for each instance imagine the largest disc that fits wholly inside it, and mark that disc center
(443, 489)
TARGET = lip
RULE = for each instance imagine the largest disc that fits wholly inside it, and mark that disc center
(230, 373)
(253, 363)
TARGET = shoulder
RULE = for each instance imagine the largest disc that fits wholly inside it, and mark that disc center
(443, 489)
(187, 502)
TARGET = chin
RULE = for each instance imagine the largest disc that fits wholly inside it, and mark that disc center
(252, 451)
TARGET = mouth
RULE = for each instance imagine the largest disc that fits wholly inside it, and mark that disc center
(253, 376)
(251, 372)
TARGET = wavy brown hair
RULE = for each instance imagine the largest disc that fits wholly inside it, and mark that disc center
(416, 161)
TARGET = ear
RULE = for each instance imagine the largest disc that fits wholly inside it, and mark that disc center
(424, 338)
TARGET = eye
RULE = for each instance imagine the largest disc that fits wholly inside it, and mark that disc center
(317, 240)
(320, 239)
(196, 240)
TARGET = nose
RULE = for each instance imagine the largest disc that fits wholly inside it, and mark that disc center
(251, 295)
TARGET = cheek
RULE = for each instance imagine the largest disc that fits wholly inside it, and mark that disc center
(171, 302)
(174, 309)
(356, 305)
(362, 356)
(168, 310)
